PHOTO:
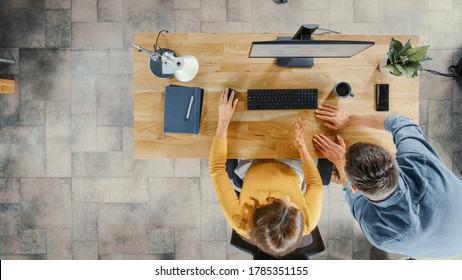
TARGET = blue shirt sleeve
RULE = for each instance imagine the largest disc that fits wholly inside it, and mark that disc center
(408, 136)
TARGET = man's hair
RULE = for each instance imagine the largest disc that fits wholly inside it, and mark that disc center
(275, 228)
(371, 169)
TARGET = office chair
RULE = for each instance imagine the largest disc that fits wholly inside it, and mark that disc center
(311, 244)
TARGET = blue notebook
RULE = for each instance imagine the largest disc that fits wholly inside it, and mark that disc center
(183, 107)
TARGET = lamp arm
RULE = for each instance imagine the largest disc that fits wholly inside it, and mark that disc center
(141, 49)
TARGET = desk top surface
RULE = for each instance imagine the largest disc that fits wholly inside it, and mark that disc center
(224, 62)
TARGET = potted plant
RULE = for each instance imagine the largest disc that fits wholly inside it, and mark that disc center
(403, 60)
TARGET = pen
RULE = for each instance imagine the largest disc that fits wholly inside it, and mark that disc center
(189, 107)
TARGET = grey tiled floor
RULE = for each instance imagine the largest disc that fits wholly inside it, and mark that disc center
(69, 186)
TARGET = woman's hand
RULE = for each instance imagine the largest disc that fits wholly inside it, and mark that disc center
(299, 128)
(336, 118)
(225, 112)
(331, 150)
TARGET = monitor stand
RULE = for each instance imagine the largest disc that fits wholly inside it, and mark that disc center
(294, 61)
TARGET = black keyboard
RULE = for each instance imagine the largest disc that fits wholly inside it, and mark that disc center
(274, 99)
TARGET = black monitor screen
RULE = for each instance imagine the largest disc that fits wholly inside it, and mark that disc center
(308, 48)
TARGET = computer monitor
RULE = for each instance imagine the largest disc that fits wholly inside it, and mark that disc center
(300, 50)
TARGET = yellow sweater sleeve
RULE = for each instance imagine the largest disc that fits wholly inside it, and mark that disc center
(313, 194)
(217, 165)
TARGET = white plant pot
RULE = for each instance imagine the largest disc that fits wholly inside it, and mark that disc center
(383, 70)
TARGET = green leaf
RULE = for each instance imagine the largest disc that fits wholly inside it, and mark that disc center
(406, 47)
(417, 53)
(395, 45)
(396, 71)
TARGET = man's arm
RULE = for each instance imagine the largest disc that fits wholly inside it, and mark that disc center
(337, 118)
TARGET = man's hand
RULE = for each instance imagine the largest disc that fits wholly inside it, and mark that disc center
(336, 118)
(299, 128)
(225, 112)
(331, 150)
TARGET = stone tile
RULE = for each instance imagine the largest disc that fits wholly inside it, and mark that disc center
(187, 4)
(9, 111)
(122, 228)
(22, 151)
(213, 222)
(85, 251)
(159, 167)
(162, 241)
(340, 220)
(213, 10)
(84, 221)
(205, 168)
(226, 27)
(9, 227)
(341, 11)
(147, 16)
(208, 193)
(340, 249)
(187, 20)
(441, 5)
(392, 22)
(361, 247)
(439, 111)
(109, 138)
(320, 17)
(457, 85)
(23, 257)
(97, 164)
(121, 61)
(272, 17)
(128, 142)
(110, 257)
(110, 190)
(444, 147)
(45, 203)
(11, 54)
(239, 10)
(355, 27)
(83, 94)
(457, 11)
(84, 10)
(53, 83)
(58, 158)
(57, 4)
(115, 99)
(187, 244)
(315, 5)
(23, 26)
(433, 87)
(58, 29)
(324, 220)
(33, 241)
(84, 135)
(9, 190)
(187, 167)
(423, 112)
(424, 128)
(441, 59)
(110, 10)
(441, 30)
(58, 120)
(457, 129)
(457, 164)
(103, 35)
(59, 244)
(366, 10)
(92, 61)
(457, 34)
(32, 112)
(213, 250)
(174, 203)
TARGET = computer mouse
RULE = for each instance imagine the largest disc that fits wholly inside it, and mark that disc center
(230, 91)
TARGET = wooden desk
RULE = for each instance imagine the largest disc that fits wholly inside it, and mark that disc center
(224, 62)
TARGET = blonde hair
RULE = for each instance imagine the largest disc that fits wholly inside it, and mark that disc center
(275, 228)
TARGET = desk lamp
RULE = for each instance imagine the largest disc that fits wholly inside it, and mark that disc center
(165, 63)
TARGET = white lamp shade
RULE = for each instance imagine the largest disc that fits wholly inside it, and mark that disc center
(185, 67)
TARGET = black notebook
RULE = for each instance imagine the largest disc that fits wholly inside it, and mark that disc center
(183, 107)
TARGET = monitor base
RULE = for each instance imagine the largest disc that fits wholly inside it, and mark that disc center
(295, 61)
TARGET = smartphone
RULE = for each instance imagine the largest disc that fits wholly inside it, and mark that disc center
(382, 97)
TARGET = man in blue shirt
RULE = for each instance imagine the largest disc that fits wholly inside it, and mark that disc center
(410, 204)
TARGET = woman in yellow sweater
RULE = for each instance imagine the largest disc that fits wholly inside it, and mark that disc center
(271, 211)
